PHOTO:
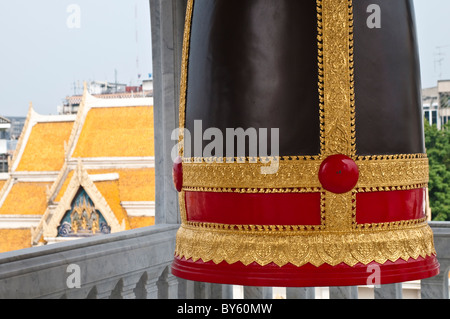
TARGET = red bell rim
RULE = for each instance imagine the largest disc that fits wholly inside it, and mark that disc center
(308, 275)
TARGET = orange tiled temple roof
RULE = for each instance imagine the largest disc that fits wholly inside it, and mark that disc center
(26, 198)
(44, 150)
(117, 132)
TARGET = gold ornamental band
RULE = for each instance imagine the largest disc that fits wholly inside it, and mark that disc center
(376, 173)
(284, 247)
(184, 74)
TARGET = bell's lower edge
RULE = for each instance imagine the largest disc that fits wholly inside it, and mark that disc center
(307, 275)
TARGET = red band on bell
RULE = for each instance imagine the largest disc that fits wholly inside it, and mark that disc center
(393, 206)
(299, 208)
(254, 209)
(178, 174)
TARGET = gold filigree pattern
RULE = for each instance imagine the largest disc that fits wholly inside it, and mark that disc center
(300, 174)
(301, 247)
(338, 211)
(338, 113)
(182, 202)
(296, 173)
(184, 74)
(336, 49)
(390, 171)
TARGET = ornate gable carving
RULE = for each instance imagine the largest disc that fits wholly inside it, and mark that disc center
(83, 219)
(97, 203)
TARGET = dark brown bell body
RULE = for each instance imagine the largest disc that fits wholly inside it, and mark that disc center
(348, 192)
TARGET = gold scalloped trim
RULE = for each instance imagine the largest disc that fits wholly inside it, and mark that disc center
(269, 159)
(301, 247)
(254, 190)
(289, 228)
(321, 75)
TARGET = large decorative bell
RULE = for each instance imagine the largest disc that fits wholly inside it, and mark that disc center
(335, 193)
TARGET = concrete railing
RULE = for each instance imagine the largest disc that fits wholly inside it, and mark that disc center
(130, 264)
(136, 264)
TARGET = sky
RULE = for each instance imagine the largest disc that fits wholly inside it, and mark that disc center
(433, 29)
(48, 48)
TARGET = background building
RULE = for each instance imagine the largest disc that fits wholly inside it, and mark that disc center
(5, 125)
(83, 175)
(436, 103)
(10, 130)
(106, 90)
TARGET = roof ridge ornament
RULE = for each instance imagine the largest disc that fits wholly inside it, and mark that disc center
(26, 130)
(80, 170)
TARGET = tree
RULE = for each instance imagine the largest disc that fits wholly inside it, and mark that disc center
(437, 144)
